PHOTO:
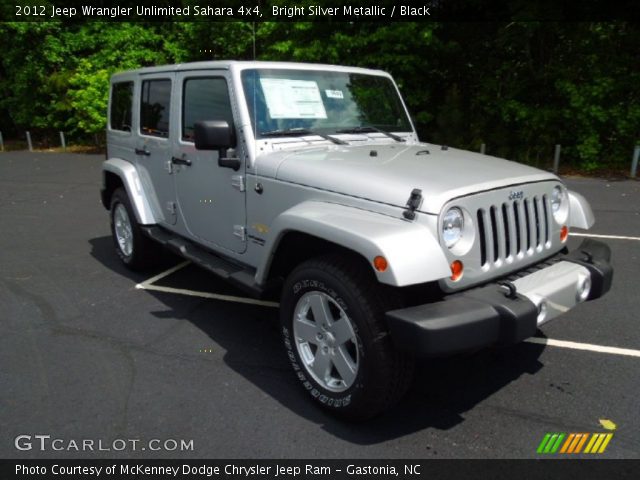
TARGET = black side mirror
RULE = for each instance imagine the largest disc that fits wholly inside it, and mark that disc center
(216, 135)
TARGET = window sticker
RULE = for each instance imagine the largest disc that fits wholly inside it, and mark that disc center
(334, 94)
(292, 98)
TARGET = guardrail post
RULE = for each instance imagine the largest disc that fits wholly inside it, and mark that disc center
(556, 159)
(29, 141)
(634, 161)
(482, 148)
(1, 143)
(62, 142)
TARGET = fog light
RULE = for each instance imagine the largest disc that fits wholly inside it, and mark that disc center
(584, 288)
(456, 270)
(564, 233)
(380, 263)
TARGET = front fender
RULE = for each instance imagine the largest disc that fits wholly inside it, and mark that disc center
(413, 254)
(131, 180)
(580, 214)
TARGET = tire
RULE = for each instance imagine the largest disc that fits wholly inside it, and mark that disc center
(345, 361)
(137, 251)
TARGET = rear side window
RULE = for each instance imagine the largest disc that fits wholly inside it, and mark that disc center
(121, 100)
(154, 107)
(204, 99)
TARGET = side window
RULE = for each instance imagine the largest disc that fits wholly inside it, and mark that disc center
(204, 99)
(121, 99)
(154, 107)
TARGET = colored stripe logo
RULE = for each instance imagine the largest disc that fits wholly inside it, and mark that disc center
(574, 443)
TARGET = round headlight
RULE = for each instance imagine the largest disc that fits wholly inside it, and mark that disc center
(559, 204)
(452, 225)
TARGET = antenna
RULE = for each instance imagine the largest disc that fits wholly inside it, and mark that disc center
(253, 25)
(255, 112)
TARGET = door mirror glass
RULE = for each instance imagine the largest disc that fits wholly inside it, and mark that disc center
(214, 135)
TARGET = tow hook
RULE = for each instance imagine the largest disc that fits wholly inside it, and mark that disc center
(512, 290)
(588, 255)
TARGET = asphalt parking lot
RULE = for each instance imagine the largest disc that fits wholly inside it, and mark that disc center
(88, 354)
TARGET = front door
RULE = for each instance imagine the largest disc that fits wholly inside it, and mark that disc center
(211, 198)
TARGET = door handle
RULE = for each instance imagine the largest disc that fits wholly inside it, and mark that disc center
(181, 161)
(142, 151)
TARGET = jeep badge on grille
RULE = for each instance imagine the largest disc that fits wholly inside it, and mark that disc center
(513, 195)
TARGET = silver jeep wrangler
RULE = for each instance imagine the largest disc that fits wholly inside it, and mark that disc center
(308, 183)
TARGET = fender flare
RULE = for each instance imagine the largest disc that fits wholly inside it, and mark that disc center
(414, 255)
(580, 213)
(132, 184)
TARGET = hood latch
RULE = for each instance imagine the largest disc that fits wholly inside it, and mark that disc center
(412, 204)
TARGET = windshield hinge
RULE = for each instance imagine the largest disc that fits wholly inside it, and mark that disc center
(412, 204)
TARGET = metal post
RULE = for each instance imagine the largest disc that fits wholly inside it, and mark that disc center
(1, 143)
(634, 161)
(29, 141)
(556, 159)
(482, 148)
(62, 142)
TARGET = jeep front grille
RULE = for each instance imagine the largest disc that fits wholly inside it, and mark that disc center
(513, 229)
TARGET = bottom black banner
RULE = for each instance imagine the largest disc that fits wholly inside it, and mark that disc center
(317, 469)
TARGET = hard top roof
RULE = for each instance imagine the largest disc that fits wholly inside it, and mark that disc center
(241, 65)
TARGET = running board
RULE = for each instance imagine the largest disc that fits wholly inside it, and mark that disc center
(238, 275)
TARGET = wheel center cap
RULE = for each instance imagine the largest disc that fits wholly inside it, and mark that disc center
(330, 339)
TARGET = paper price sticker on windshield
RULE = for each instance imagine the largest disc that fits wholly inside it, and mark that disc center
(292, 98)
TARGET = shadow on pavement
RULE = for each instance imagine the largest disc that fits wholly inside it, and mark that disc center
(443, 389)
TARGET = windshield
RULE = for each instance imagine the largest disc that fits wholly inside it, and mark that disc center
(321, 101)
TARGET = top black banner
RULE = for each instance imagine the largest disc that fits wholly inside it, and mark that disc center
(73, 11)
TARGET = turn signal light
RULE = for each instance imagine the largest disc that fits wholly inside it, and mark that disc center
(564, 233)
(380, 263)
(456, 270)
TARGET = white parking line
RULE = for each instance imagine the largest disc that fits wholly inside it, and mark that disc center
(148, 285)
(611, 237)
(214, 296)
(584, 346)
(161, 275)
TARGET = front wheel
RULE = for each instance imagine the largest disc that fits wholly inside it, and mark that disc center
(136, 251)
(332, 315)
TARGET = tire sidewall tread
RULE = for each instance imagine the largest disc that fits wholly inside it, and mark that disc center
(384, 373)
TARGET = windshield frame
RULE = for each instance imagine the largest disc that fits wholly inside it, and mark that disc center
(297, 71)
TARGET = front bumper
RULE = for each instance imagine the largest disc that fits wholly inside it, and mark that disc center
(507, 311)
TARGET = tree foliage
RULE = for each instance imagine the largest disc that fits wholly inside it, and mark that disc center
(519, 87)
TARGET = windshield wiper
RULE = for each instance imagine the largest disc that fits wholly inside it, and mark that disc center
(368, 129)
(285, 132)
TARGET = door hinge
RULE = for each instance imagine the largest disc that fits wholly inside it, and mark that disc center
(241, 232)
(168, 166)
(171, 207)
(237, 181)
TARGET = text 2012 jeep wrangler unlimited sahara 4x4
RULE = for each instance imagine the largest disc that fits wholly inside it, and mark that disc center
(309, 181)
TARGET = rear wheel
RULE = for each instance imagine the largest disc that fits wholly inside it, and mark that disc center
(136, 251)
(332, 315)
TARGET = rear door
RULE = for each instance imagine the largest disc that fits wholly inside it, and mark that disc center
(211, 199)
(153, 144)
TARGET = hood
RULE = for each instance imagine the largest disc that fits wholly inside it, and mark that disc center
(387, 173)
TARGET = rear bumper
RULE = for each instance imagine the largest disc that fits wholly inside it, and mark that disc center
(505, 312)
